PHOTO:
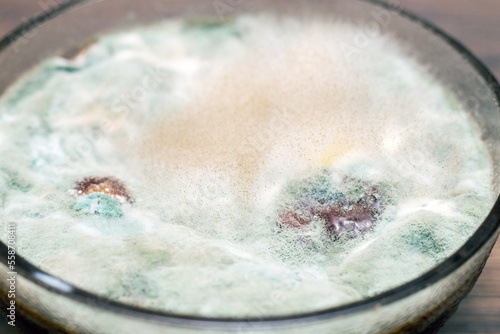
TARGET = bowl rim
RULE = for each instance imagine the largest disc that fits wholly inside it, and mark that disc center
(482, 236)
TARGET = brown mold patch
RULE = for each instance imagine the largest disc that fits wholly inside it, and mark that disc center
(341, 218)
(106, 185)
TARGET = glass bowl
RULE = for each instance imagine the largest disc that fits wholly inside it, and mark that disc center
(419, 306)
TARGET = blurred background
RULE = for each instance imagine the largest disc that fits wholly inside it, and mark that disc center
(476, 24)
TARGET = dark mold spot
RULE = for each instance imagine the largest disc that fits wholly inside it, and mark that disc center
(106, 185)
(350, 213)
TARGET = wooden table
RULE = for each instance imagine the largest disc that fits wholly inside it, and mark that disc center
(477, 25)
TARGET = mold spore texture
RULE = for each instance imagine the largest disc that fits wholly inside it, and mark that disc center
(217, 131)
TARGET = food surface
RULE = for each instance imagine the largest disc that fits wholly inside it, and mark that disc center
(255, 167)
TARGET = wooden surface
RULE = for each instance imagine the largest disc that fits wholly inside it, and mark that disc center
(477, 25)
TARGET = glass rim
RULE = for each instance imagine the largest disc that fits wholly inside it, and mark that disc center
(483, 234)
